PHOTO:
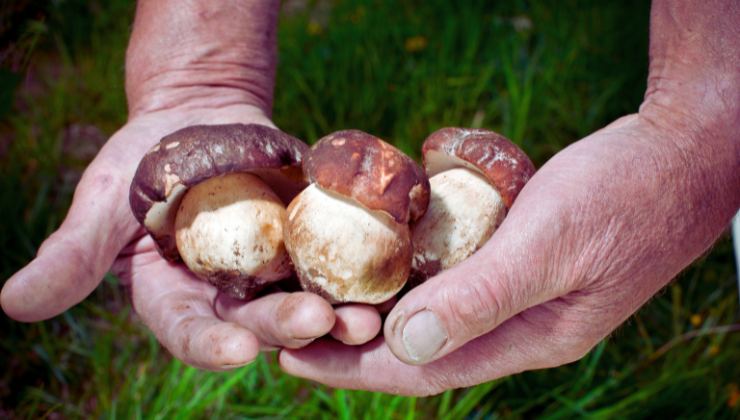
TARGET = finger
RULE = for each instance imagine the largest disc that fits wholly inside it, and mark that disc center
(178, 308)
(356, 323)
(500, 280)
(280, 319)
(73, 260)
(539, 338)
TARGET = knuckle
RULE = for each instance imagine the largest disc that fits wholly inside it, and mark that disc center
(433, 383)
(289, 308)
(572, 343)
(428, 390)
(572, 349)
(440, 377)
(96, 181)
(477, 305)
(562, 339)
(179, 346)
(180, 338)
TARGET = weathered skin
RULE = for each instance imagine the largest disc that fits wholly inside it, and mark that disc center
(345, 252)
(229, 231)
(662, 184)
(206, 65)
(599, 229)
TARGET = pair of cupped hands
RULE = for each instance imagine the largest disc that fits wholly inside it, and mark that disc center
(598, 230)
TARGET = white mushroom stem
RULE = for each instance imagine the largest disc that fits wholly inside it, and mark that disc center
(231, 226)
(344, 251)
(464, 211)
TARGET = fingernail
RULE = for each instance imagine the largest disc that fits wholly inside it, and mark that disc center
(423, 336)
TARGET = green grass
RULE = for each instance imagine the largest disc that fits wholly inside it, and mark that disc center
(543, 73)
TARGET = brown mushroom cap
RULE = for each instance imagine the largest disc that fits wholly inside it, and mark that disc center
(193, 154)
(372, 172)
(494, 156)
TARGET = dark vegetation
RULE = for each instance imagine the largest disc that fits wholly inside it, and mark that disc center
(543, 73)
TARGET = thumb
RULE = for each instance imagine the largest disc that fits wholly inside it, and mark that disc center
(74, 259)
(503, 278)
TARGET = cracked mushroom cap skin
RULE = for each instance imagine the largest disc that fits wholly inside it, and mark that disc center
(363, 167)
(494, 156)
(475, 176)
(194, 154)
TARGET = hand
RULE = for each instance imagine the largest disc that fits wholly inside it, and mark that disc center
(598, 230)
(188, 316)
(595, 233)
(187, 63)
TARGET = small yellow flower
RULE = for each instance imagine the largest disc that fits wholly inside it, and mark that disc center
(314, 28)
(713, 350)
(695, 320)
(415, 43)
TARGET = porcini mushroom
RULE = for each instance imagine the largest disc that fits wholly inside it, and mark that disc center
(347, 233)
(475, 175)
(214, 197)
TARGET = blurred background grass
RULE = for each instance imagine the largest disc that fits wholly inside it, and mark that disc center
(543, 73)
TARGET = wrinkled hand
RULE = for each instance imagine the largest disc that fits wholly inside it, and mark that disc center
(598, 230)
(189, 317)
(187, 63)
